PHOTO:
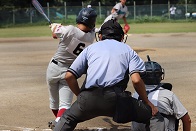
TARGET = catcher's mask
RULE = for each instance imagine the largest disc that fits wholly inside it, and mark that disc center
(154, 73)
(111, 30)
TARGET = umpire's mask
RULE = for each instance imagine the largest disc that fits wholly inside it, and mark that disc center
(112, 30)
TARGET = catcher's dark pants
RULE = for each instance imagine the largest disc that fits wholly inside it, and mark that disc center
(89, 104)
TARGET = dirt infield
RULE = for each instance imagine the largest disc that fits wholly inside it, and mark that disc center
(24, 94)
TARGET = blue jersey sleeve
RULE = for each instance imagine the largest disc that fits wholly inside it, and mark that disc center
(136, 64)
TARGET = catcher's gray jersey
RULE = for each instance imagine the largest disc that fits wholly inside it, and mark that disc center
(72, 42)
(167, 103)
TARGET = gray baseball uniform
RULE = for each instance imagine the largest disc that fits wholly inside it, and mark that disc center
(72, 42)
(167, 103)
(120, 13)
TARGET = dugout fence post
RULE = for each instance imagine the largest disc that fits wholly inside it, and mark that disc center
(186, 9)
(169, 9)
(13, 17)
(134, 10)
(151, 9)
(65, 9)
(99, 10)
(82, 4)
(31, 15)
(48, 9)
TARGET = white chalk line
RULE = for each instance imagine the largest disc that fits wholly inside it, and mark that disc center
(15, 128)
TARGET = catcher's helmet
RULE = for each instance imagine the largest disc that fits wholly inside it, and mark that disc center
(154, 73)
(111, 30)
(87, 16)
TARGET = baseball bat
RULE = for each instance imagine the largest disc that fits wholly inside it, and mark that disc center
(39, 8)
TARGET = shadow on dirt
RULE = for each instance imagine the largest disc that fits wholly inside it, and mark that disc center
(142, 50)
(113, 127)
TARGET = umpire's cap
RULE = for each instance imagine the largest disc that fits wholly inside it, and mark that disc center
(111, 30)
(87, 16)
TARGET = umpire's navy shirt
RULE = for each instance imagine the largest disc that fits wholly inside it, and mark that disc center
(105, 63)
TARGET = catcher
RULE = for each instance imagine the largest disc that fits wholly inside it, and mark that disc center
(169, 106)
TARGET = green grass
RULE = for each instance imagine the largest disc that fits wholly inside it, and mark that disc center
(162, 28)
(32, 31)
(136, 28)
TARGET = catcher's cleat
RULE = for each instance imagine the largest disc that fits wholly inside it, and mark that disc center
(52, 124)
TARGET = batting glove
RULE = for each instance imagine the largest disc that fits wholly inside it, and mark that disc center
(54, 25)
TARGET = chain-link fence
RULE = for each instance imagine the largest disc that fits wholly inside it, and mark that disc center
(30, 15)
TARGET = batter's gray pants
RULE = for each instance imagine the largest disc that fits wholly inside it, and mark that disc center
(60, 95)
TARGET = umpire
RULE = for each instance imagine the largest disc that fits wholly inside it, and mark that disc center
(107, 65)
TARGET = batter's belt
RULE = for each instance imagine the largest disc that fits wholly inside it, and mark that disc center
(59, 63)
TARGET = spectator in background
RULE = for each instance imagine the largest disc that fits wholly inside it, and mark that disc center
(172, 12)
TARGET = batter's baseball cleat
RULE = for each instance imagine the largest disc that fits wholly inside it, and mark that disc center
(52, 124)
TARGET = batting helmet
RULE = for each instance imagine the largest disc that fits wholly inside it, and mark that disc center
(154, 73)
(87, 16)
(111, 30)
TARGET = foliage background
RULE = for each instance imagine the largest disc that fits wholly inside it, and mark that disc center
(27, 3)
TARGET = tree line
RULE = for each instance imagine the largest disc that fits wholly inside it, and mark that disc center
(27, 3)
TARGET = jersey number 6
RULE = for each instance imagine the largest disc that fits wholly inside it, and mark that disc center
(79, 49)
(76, 46)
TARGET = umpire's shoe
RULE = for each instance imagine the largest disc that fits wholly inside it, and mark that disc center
(52, 124)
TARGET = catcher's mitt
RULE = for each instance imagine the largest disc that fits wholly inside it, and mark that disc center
(126, 28)
(131, 109)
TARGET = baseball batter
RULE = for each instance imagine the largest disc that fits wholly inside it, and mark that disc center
(72, 41)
